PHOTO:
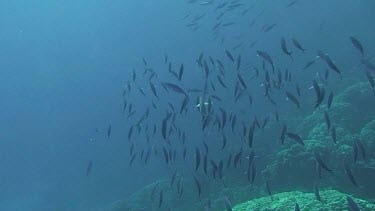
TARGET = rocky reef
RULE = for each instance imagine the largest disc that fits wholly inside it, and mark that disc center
(352, 117)
(293, 167)
(332, 200)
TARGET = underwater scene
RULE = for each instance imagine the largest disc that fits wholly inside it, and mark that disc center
(192, 105)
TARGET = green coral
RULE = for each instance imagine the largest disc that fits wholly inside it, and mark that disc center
(332, 200)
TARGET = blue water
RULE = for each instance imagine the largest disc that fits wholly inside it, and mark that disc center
(65, 64)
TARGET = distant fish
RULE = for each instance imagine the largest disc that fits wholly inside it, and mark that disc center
(164, 128)
(357, 45)
(328, 121)
(228, 205)
(333, 134)
(161, 198)
(329, 101)
(316, 192)
(293, 98)
(229, 55)
(88, 169)
(352, 206)
(321, 163)
(181, 72)
(224, 141)
(296, 207)
(350, 176)
(282, 136)
(329, 61)
(109, 130)
(242, 81)
(308, 64)
(175, 88)
(268, 188)
(295, 137)
(370, 80)
(298, 45)
(198, 185)
(197, 158)
(284, 48)
(361, 148)
(266, 57)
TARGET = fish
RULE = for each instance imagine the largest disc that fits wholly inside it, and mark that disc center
(266, 57)
(197, 158)
(205, 146)
(330, 100)
(253, 173)
(228, 205)
(298, 45)
(357, 45)
(221, 81)
(181, 72)
(321, 163)
(198, 185)
(329, 61)
(164, 128)
(251, 158)
(154, 190)
(205, 164)
(237, 158)
(350, 176)
(242, 82)
(174, 88)
(224, 117)
(328, 121)
(268, 188)
(251, 136)
(229, 55)
(361, 148)
(185, 103)
(298, 90)
(269, 27)
(153, 89)
(355, 152)
(216, 98)
(283, 132)
(284, 48)
(132, 159)
(229, 161)
(88, 169)
(161, 198)
(296, 207)
(224, 141)
(308, 64)
(238, 62)
(173, 178)
(293, 98)
(333, 134)
(320, 93)
(370, 80)
(166, 156)
(352, 206)
(221, 169)
(368, 64)
(109, 131)
(295, 137)
(316, 192)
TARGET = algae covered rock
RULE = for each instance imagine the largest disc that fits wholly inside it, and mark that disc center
(367, 135)
(332, 201)
(147, 198)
